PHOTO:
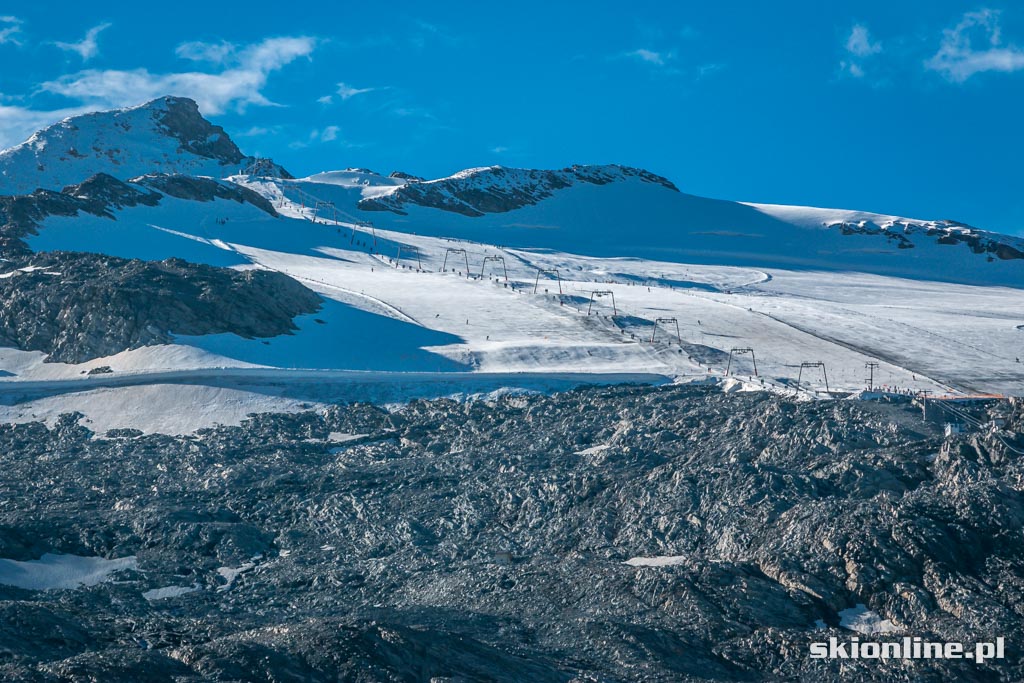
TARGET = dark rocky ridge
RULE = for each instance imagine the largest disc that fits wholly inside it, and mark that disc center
(204, 190)
(946, 232)
(475, 541)
(497, 189)
(76, 307)
(102, 194)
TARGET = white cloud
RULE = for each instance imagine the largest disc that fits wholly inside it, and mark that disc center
(198, 51)
(347, 91)
(852, 68)
(10, 27)
(235, 87)
(859, 48)
(958, 59)
(859, 43)
(705, 70)
(87, 47)
(425, 32)
(255, 131)
(17, 123)
(651, 56)
(328, 134)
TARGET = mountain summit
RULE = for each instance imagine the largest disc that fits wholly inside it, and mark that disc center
(167, 135)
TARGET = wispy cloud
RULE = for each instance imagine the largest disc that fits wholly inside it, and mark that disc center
(958, 57)
(199, 51)
(253, 132)
(346, 92)
(411, 112)
(17, 123)
(10, 27)
(705, 70)
(327, 134)
(859, 47)
(237, 86)
(425, 32)
(88, 47)
(859, 42)
(651, 56)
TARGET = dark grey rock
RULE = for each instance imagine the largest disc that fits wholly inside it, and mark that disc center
(204, 190)
(483, 541)
(77, 306)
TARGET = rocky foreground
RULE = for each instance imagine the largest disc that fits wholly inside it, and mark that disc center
(489, 541)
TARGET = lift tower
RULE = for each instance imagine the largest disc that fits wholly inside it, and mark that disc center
(602, 292)
(815, 364)
(679, 337)
(737, 352)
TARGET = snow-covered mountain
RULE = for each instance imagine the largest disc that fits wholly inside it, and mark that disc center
(491, 277)
(496, 189)
(167, 135)
(611, 211)
(604, 210)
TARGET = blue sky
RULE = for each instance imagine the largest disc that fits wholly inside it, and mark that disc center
(911, 108)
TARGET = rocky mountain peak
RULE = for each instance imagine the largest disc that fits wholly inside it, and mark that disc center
(168, 135)
(179, 117)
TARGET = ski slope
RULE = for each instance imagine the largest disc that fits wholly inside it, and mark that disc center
(633, 218)
(383, 315)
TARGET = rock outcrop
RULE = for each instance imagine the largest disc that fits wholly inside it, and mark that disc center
(667, 534)
(76, 307)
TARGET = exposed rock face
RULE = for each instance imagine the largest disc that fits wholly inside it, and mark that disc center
(103, 193)
(179, 118)
(497, 189)
(402, 175)
(490, 540)
(205, 190)
(76, 307)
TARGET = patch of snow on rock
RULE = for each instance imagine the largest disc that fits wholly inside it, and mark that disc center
(61, 572)
(859, 618)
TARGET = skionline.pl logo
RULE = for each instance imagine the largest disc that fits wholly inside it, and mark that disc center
(906, 648)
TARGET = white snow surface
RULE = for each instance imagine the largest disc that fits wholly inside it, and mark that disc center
(656, 561)
(61, 572)
(859, 618)
(169, 592)
(155, 408)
